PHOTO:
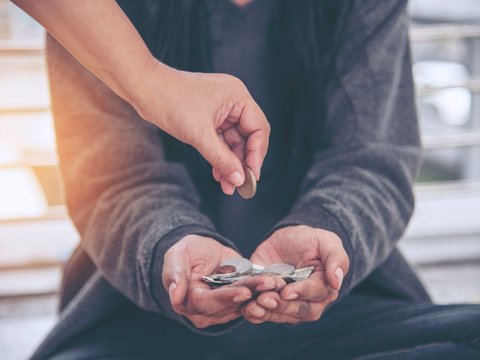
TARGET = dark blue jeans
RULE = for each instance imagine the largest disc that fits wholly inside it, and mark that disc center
(363, 326)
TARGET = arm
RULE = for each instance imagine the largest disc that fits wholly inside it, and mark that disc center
(360, 187)
(357, 195)
(130, 205)
(215, 112)
(91, 32)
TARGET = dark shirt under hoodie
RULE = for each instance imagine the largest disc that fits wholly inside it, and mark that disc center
(130, 205)
(239, 46)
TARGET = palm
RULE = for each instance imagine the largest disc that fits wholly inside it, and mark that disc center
(204, 260)
(301, 252)
(306, 246)
(184, 265)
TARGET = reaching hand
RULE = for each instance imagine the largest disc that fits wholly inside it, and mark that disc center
(214, 113)
(307, 299)
(184, 265)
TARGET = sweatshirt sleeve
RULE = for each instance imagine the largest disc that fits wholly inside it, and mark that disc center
(128, 203)
(360, 185)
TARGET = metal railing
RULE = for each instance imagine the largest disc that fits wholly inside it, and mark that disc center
(451, 140)
(32, 160)
(444, 32)
(22, 47)
(473, 85)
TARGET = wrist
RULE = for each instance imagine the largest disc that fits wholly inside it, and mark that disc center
(152, 90)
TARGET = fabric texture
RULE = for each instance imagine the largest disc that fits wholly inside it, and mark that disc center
(131, 198)
(363, 326)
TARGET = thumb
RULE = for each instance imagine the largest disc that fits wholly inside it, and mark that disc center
(336, 266)
(176, 275)
(222, 158)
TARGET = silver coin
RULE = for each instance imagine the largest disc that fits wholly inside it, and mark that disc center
(231, 280)
(279, 269)
(249, 187)
(226, 269)
(297, 275)
(220, 277)
(301, 273)
(214, 282)
(242, 265)
(257, 268)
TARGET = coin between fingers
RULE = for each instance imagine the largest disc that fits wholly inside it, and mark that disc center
(249, 187)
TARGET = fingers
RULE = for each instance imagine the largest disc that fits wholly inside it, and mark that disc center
(300, 301)
(300, 309)
(222, 158)
(335, 276)
(314, 288)
(217, 301)
(212, 303)
(206, 306)
(235, 141)
(259, 283)
(243, 138)
(270, 307)
(226, 186)
(264, 315)
(202, 321)
(175, 275)
(204, 300)
(216, 174)
(254, 125)
(336, 261)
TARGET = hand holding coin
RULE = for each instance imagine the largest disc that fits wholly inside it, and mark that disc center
(304, 300)
(232, 271)
(248, 189)
(186, 262)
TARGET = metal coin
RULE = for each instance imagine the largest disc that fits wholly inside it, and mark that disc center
(301, 273)
(213, 282)
(226, 269)
(231, 280)
(279, 269)
(249, 187)
(241, 265)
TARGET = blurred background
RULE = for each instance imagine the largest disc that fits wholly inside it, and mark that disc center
(36, 236)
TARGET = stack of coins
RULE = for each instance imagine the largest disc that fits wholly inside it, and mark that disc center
(236, 269)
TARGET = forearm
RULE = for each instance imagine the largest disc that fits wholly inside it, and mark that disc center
(129, 204)
(360, 185)
(131, 227)
(101, 37)
(366, 199)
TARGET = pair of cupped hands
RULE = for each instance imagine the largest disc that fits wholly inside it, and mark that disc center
(216, 114)
(260, 298)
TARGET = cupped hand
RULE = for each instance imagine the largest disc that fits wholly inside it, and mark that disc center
(186, 262)
(304, 300)
(214, 113)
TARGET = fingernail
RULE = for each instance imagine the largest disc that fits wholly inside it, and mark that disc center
(257, 312)
(291, 296)
(258, 177)
(271, 303)
(339, 275)
(241, 298)
(171, 289)
(269, 282)
(236, 178)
